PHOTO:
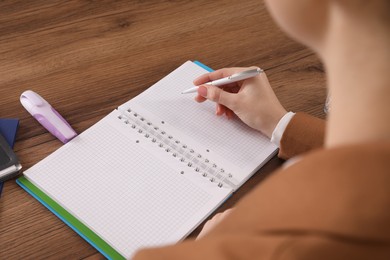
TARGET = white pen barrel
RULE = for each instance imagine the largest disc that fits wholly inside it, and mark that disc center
(220, 82)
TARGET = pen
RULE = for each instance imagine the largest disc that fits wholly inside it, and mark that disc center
(233, 78)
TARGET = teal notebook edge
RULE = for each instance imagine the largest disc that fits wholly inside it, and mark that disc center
(203, 66)
(82, 230)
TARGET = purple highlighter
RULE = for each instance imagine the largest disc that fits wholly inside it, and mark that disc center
(42, 111)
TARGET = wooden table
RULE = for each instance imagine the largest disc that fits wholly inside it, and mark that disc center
(88, 57)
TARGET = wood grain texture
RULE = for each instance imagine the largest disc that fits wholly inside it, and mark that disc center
(88, 57)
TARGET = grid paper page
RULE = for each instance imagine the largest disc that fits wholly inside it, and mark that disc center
(123, 193)
(231, 139)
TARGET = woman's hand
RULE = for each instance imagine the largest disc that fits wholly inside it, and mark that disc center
(213, 222)
(252, 100)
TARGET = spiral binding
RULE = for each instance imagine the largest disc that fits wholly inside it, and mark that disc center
(182, 152)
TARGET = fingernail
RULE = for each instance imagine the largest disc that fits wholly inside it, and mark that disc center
(218, 111)
(202, 90)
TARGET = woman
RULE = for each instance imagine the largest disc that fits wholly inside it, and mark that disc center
(332, 202)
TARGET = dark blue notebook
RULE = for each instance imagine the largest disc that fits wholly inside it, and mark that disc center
(8, 129)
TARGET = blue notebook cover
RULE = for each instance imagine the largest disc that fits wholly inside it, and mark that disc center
(8, 129)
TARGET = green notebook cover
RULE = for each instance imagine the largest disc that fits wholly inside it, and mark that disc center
(71, 221)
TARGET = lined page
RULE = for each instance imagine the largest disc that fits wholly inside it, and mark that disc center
(125, 194)
(239, 146)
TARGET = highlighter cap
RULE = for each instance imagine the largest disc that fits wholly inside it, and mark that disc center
(47, 116)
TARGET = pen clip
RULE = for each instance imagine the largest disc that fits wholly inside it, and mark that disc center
(47, 116)
(245, 73)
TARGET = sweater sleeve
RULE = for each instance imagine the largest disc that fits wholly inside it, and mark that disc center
(218, 248)
(302, 134)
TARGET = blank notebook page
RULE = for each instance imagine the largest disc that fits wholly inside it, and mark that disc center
(231, 139)
(124, 194)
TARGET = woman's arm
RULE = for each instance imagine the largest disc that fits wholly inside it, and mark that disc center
(302, 134)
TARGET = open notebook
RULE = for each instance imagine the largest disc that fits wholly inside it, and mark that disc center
(149, 172)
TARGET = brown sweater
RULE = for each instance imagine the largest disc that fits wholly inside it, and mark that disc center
(331, 204)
